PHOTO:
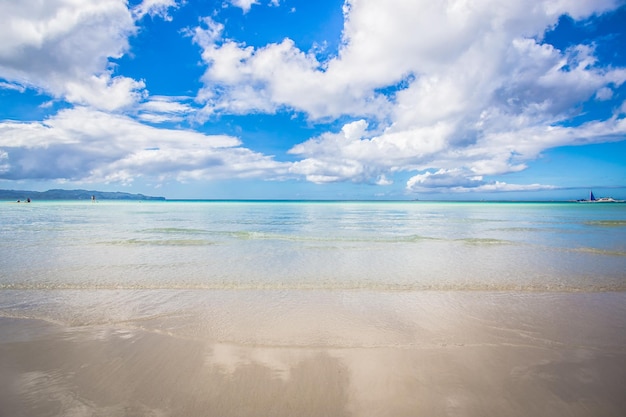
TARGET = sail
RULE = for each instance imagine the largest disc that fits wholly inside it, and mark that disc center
(591, 196)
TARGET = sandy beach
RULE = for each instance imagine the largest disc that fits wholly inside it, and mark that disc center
(337, 354)
(312, 309)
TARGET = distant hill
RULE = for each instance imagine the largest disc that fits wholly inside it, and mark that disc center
(72, 195)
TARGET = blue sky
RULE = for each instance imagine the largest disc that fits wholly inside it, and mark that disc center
(296, 99)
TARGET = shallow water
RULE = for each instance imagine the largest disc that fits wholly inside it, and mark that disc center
(302, 245)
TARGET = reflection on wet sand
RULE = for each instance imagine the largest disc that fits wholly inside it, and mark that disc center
(113, 373)
(437, 354)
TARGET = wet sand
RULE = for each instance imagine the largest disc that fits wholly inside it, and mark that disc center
(336, 354)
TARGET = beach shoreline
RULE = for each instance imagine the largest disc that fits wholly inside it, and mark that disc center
(320, 353)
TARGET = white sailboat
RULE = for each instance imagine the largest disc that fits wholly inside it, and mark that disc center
(593, 199)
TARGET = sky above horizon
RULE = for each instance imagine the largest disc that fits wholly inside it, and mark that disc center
(362, 99)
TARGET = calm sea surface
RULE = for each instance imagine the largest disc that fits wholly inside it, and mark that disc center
(399, 246)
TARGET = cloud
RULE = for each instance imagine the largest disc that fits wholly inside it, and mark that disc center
(604, 93)
(88, 145)
(480, 93)
(161, 109)
(154, 8)
(459, 181)
(340, 157)
(450, 92)
(242, 79)
(385, 44)
(244, 5)
(63, 48)
(4, 166)
(355, 155)
(12, 86)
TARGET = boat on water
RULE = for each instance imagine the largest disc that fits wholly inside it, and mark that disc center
(593, 199)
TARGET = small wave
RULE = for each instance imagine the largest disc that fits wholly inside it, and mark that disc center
(597, 251)
(607, 223)
(160, 242)
(323, 286)
(483, 241)
(246, 235)
(175, 230)
(262, 235)
(519, 229)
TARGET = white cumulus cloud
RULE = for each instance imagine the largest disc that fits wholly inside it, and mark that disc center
(482, 94)
(456, 180)
(63, 48)
(244, 5)
(88, 145)
(242, 79)
(153, 8)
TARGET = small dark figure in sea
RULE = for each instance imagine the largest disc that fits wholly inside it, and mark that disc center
(28, 200)
(93, 198)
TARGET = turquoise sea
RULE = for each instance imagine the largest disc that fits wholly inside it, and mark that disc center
(313, 245)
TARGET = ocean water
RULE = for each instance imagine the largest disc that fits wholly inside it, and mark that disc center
(312, 309)
(313, 245)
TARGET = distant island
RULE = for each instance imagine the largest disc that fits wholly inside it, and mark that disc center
(59, 194)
